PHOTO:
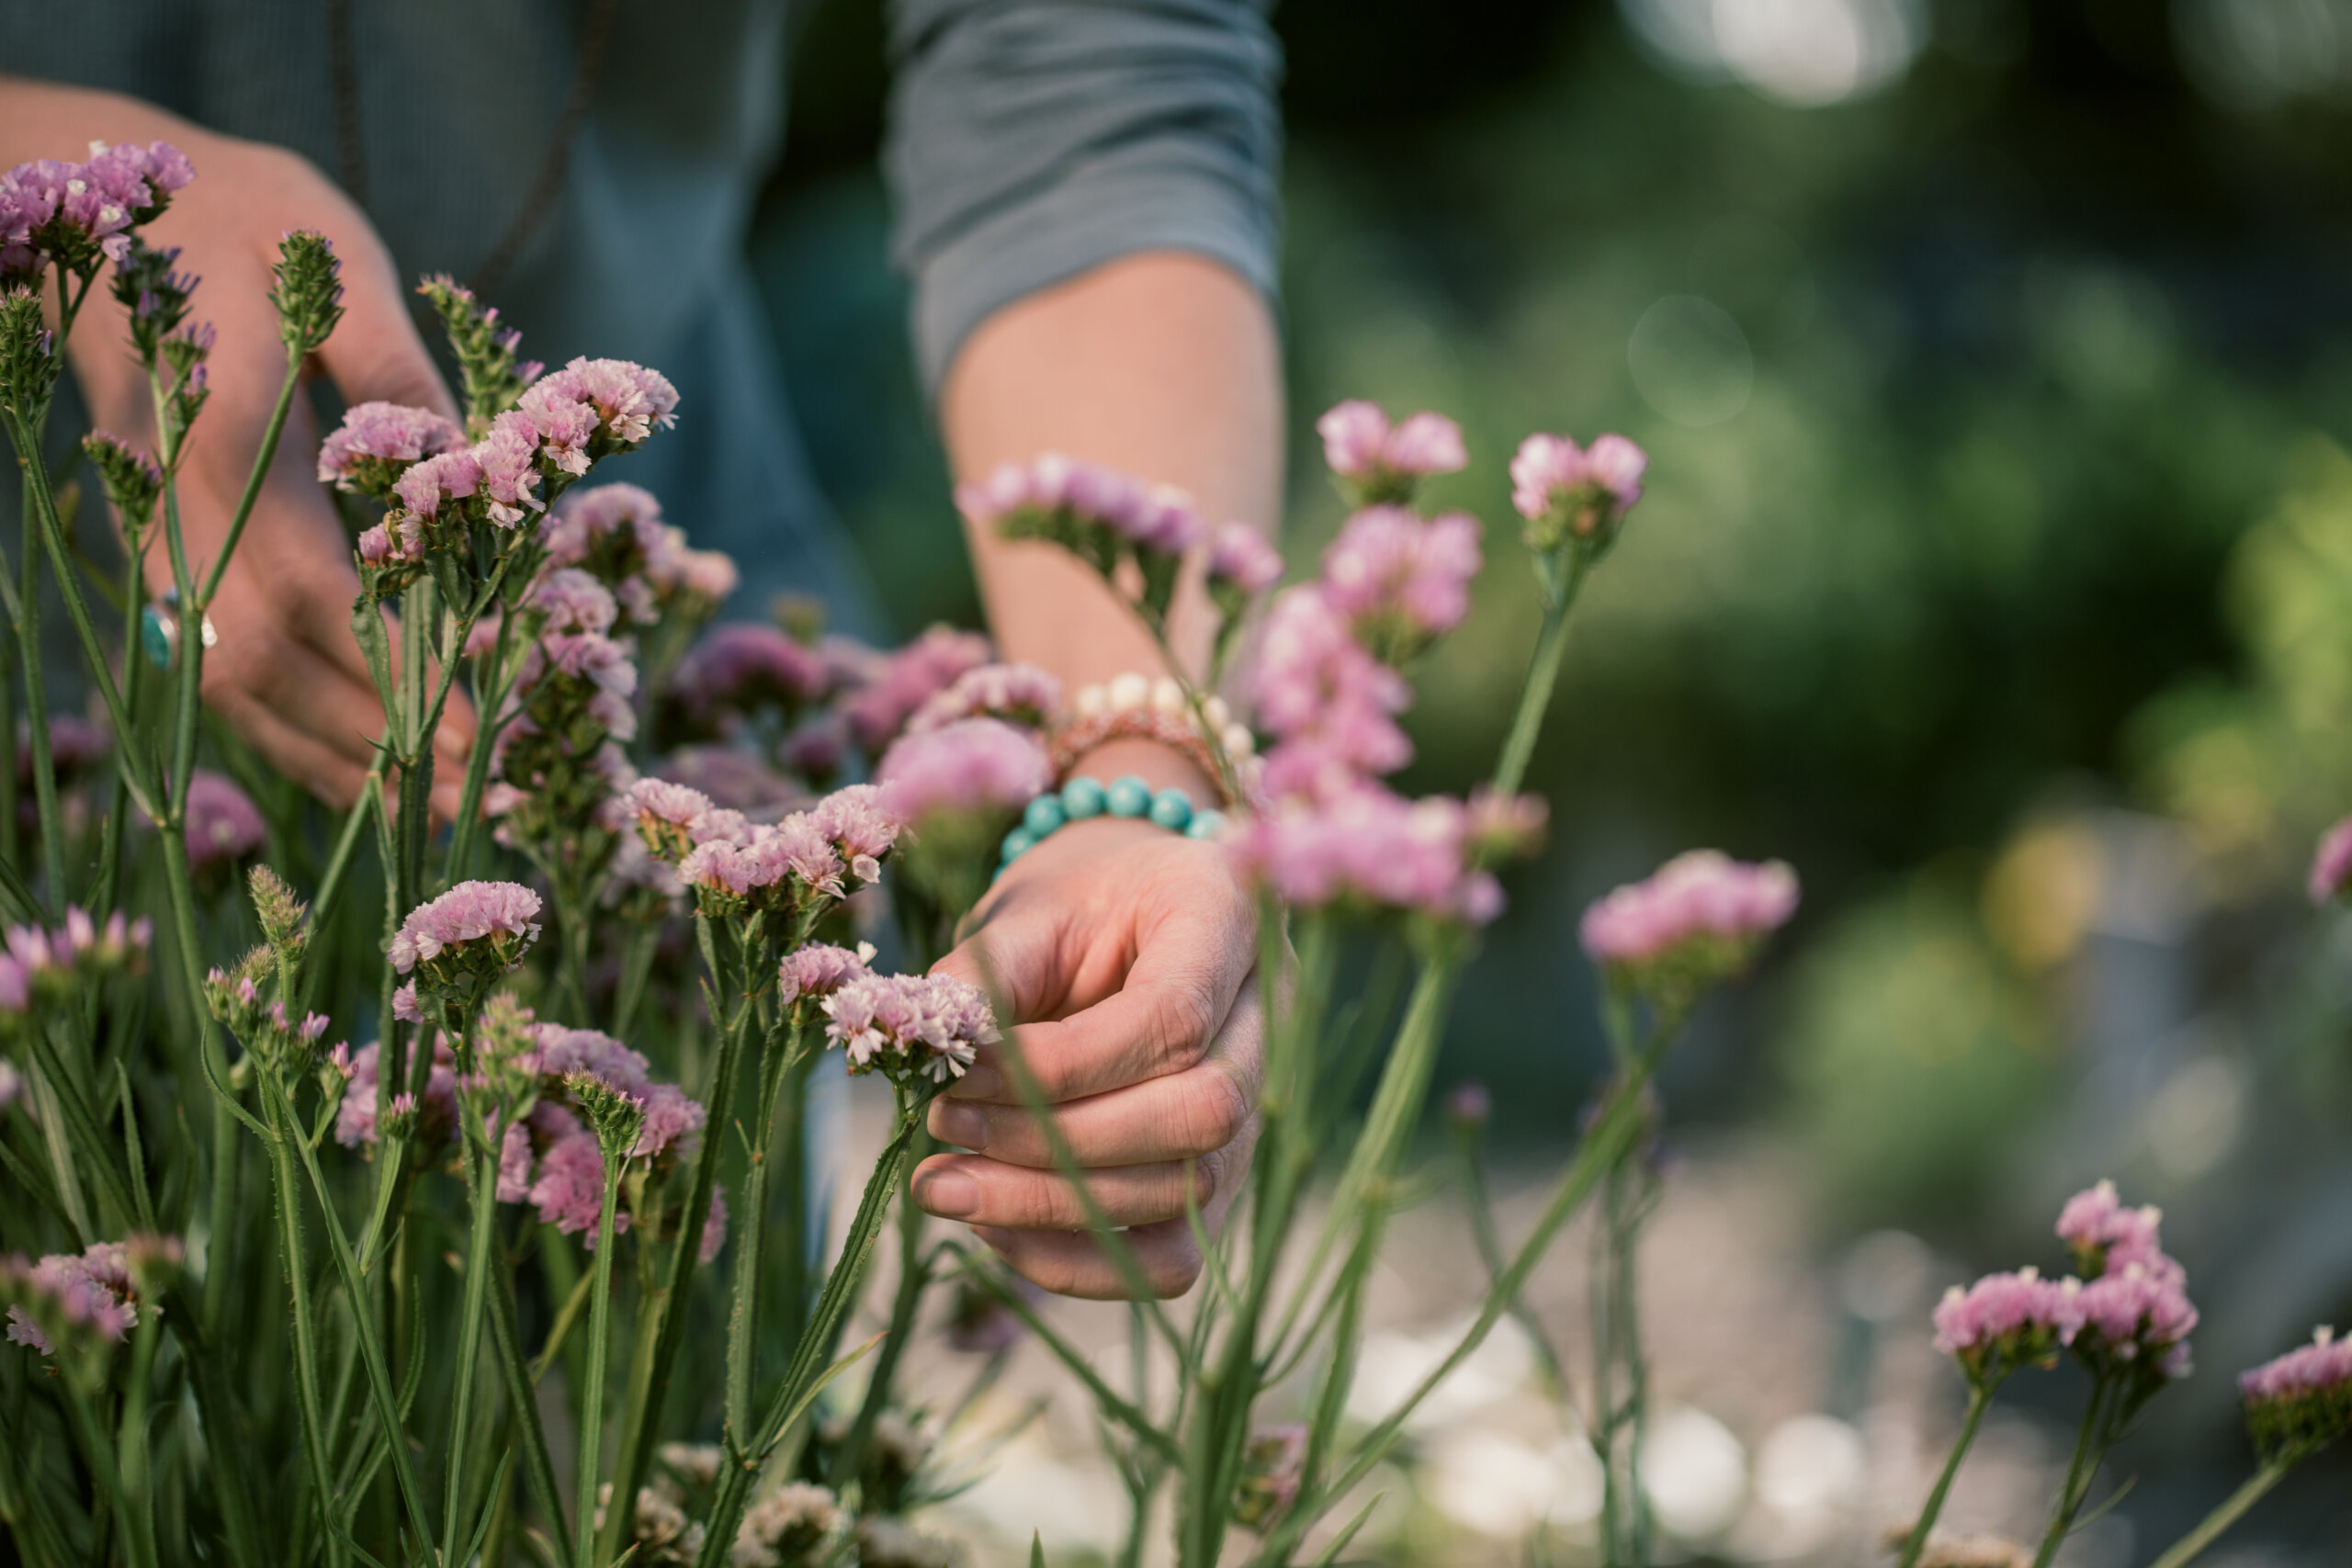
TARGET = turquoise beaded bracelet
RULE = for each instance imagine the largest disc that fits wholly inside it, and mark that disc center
(1083, 798)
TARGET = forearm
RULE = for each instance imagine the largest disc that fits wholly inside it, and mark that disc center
(45, 120)
(1163, 365)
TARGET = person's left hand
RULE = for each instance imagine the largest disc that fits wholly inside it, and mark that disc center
(1127, 954)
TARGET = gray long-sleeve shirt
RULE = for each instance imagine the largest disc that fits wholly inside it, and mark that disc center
(1030, 140)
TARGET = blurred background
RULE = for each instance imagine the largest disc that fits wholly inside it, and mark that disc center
(1995, 357)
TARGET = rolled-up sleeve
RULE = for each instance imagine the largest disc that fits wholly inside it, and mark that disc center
(1032, 139)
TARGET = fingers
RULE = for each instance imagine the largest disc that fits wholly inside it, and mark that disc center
(988, 1192)
(1184, 1115)
(333, 775)
(374, 353)
(1073, 1263)
(1189, 967)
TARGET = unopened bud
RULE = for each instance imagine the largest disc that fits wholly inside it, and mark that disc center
(309, 295)
(280, 911)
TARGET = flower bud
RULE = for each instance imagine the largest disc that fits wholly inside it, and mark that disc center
(309, 292)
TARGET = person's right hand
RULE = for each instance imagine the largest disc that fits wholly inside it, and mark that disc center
(286, 672)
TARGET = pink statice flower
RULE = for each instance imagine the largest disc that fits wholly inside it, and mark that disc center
(817, 971)
(982, 766)
(1241, 560)
(572, 600)
(2105, 1234)
(507, 458)
(745, 665)
(2301, 1400)
(458, 943)
(1329, 703)
(666, 815)
(433, 1122)
(2331, 874)
(1272, 1465)
(1018, 693)
(90, 1296)
(1399, 581)
(884, 691)
(1566, 492)
(673, 1122)
(222, 825)
(376, 441)
(859, 823)
(429, 486)
(584, 672)
(736, 867)
(616, 534)
(593, 408)
(1054, 493)
(2004, 1322)
(1379, 461)
(1367, 850)
(734, 777)
(2137, 1313)
(1700, 917)
(909, 1027)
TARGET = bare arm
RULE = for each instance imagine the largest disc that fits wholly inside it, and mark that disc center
(1127, 951)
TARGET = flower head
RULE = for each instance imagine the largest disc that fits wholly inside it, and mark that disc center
(2331, 874)
(885, 691)
(2301, 1400)
(1376, 461)
(222, 825)
(2105, 1234)
(910, 1026)
(461, 943)
(1566, 492)
(1241, 560)
(1399, 581)
(2007, 1321)
(1700, 917)
(745, 666)
(816, 972)
(1272, 1467)
(786, 1527)
(1018, 693)
(2137, 1313)
(971, 765)
(1370, 849)
(378, 442)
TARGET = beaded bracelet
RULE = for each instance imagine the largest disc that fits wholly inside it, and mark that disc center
(1134, 706)
(1083, 798)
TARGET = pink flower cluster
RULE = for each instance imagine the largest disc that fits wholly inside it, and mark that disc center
(616, 534)
(745, 665)
(92, 1290)
(881, 691)
(1017, 693)
(2302, 1399)
(2135, 1306)
(968, 766)
(1701, 909)
(2007, 1321)
(2331, 874)
(910, 1026)
(39, 962)
(1399, 581)
(54, 210)
(1055, 490)
(475, 932)
(1565, 491)
(1242, 560)
(817, 971)
(223, 826)
(595, 407)
(1369, 849)
(1331, 705)
(378, 442)
(827, 851)
(1360, 444)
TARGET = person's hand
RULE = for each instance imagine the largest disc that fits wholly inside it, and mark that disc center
(286, 673)
(1127, 954)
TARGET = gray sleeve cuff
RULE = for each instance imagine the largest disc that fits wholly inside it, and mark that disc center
(1032, 140)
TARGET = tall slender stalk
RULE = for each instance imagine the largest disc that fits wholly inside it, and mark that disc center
(1980, 1399)
(1560, 586)
(481, 1190)
(298, 1282)
(2208, 1529)
(592, 1395)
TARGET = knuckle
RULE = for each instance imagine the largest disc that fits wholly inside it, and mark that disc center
(1214, 1109)
(1182, 1019)
(1173, 1270)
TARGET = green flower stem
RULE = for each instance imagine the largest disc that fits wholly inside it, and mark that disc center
(481, 1183)
(592, 1396)
(914, 1274)
(538, 1469)
(298, 1281)
(781, 1053)
(2091, 1443)
(255, 477)
(635, 1449)
(808, 1369)
(139, 1546)
(1608, 1141)
(81, 1127)
(1548, 1364)
(1980, 1399)
(1543, 670)
(372, 1351)
(228, 1460)
(2208, 1530)
(346, 846)
(134, 600)
(491, 698)
(11, 653)
(24, 609)
(132, 1456)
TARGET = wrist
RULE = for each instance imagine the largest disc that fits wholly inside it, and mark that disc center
(1156, 762)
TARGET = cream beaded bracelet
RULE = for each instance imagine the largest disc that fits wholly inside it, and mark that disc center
(1136, 706)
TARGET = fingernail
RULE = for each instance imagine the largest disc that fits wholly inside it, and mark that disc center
(950, 1194)
(962, 1125)
(978, 1082)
